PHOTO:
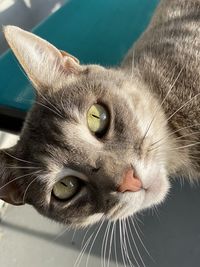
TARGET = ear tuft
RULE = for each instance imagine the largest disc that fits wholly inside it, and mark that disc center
(44, 64)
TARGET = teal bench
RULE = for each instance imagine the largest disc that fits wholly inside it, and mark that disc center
(94, 31)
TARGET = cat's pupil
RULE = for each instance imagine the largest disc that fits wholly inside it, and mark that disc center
(95, 116)
(64, 184)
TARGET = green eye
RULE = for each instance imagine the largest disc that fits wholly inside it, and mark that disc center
(66, 188)
(98, 119)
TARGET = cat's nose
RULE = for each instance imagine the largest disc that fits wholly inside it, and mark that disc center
(129, 182)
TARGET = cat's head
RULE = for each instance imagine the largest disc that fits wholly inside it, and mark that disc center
(85, 151)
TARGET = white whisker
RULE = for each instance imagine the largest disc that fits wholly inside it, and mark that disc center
(115, 244)
(25, 192)
(184, 105)
(79, 258)
(163, 101)
(61, 233)
(105, 244)
(73, 236)
(110, 245)
(121, 243)
(85, 235)
(136, 245)
(19, 177)
(22, 160)
(92, 244)
(125, 244)
(142, 243)
(53, 106)
(129, 243)
(43, 105)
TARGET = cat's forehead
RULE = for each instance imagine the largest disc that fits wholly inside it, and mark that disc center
(95, 81)
(77, 94)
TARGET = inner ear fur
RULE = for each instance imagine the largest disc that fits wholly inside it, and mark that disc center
(44, 64)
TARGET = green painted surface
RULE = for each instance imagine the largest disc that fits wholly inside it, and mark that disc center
(94, 31)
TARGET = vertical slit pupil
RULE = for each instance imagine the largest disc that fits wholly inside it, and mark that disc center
(95, 116)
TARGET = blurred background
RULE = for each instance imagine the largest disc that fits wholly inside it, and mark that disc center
(25, 14)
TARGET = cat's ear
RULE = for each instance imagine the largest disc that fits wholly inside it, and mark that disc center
(9, 189)
(44, 63)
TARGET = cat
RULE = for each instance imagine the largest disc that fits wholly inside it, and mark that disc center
(105, 142)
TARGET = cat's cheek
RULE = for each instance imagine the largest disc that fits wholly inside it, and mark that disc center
(156, 193)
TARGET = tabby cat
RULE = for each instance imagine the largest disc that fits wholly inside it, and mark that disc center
(103, 142)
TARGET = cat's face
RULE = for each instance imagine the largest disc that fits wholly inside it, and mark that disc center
(71, 172)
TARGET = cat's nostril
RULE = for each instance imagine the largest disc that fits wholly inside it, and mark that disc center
(129, 182)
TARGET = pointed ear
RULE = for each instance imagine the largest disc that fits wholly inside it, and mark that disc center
(9, 190)
(44, 64)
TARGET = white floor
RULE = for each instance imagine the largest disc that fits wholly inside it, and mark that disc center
(7, 139)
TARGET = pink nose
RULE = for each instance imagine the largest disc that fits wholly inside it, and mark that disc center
(129, 182)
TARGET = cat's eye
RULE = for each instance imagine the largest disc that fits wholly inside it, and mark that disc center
(66, 188)
(98, 119)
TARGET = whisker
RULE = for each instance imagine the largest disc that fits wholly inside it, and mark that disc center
(20, 167)
(190, 134)
(53, 106)
(129, 243)
(110, 245)
(121, 243)
(22, 160)
(55, 112)
(183, 128)
(73, 236)
(105, 244)
(85, 235)
(102, 246)
(163, 101)
(61, 233)
(92, 244)
(178, 130)
(138, 236)
(115, 244)
(190, 145)
(138, 252)
(80, 256)
(185, 104)
(124, 228)
(83, 249)
(28, 188)
(17, 178)
(177, 148)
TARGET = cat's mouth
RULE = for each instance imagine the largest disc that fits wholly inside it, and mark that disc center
(129, 203)
(149, 192)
